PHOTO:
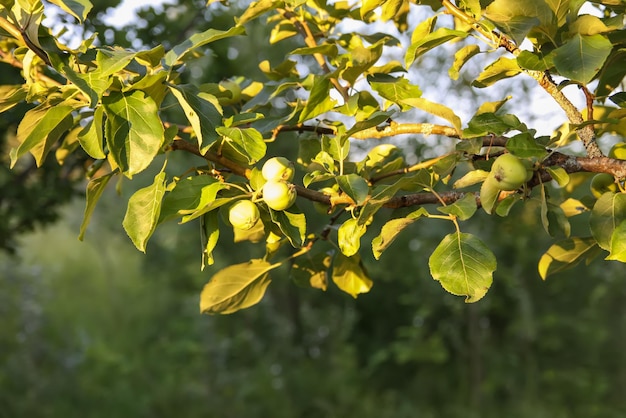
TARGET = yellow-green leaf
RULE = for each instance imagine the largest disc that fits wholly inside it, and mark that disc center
(349, 275)
(565, 254)
(463, 265)
(236, 287)
(142, 214)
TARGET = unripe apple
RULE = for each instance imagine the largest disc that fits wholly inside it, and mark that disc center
(243, 214)
(602, 183)
(278, 168)
(279, 195)
(509, 172)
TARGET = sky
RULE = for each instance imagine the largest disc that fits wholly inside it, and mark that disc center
(125, 12)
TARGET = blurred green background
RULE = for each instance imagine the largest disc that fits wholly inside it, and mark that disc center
(97, 329)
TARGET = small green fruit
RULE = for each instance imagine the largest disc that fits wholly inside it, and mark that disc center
(278, 168)
(243, 214)
(602, 183)
(509, 172)
(279, 195)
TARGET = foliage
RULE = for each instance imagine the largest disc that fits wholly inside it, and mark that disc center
(336, 87)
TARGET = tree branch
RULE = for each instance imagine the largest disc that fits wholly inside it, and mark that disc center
(586, 133)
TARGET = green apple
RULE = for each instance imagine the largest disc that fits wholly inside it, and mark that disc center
(602, 183)
(243, 214)
(509, 172)
(278, 168)
(279, 195)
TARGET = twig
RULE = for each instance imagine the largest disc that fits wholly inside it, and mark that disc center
(309, 40)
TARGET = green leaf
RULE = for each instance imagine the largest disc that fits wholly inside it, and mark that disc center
(134, 131)
(246, 141)
(236, 287)
(490, 123)
(184, 196)
(524, 145)
(77, 8)
(95, 187)
(534, 61)
(349, 236)
(203, 115)
(143, 211)
(430, 41)
(256, 9)
(368, 6)
(292, 224)
(39, 129)
(588, 25)
(517, 17)
(199, 39)
(437, 110)
(559, 175)
(394, 89)
(463, 208)
(391, 229)
(350, 276)
(91, 137)
(618, 243)
(461, 57)
(463, 265)
(336, 146)
(319, 100)
(607, 214)
(499, 69)
(580, 58)
(354, 186)
(565, 254)
(111, 60)
(208, 201)
(209, 235)
(11, 95)
(311, 270)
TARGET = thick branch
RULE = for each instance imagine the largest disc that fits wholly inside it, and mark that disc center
(586, 133)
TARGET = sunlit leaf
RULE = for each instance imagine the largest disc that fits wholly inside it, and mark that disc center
(143, 211)
(209, 235)
(199, 39)
(246, 141)
(39, 129)
(184, 196)
(319, 100)
(354, 186)
(460, 58)
(311, 270)
(349, 237)
(134, 130)
(292, 223)
(236, 287)
(565, 254)
(348, 274)
(607, 214)
(580, 58)
(203, 115)
(95, 187)
(391, 229)
(77, 8)
(463, 208)
(463, 265)
(499, 69)
(91, 138)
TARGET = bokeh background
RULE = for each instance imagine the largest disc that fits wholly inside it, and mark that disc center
(97, 329)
